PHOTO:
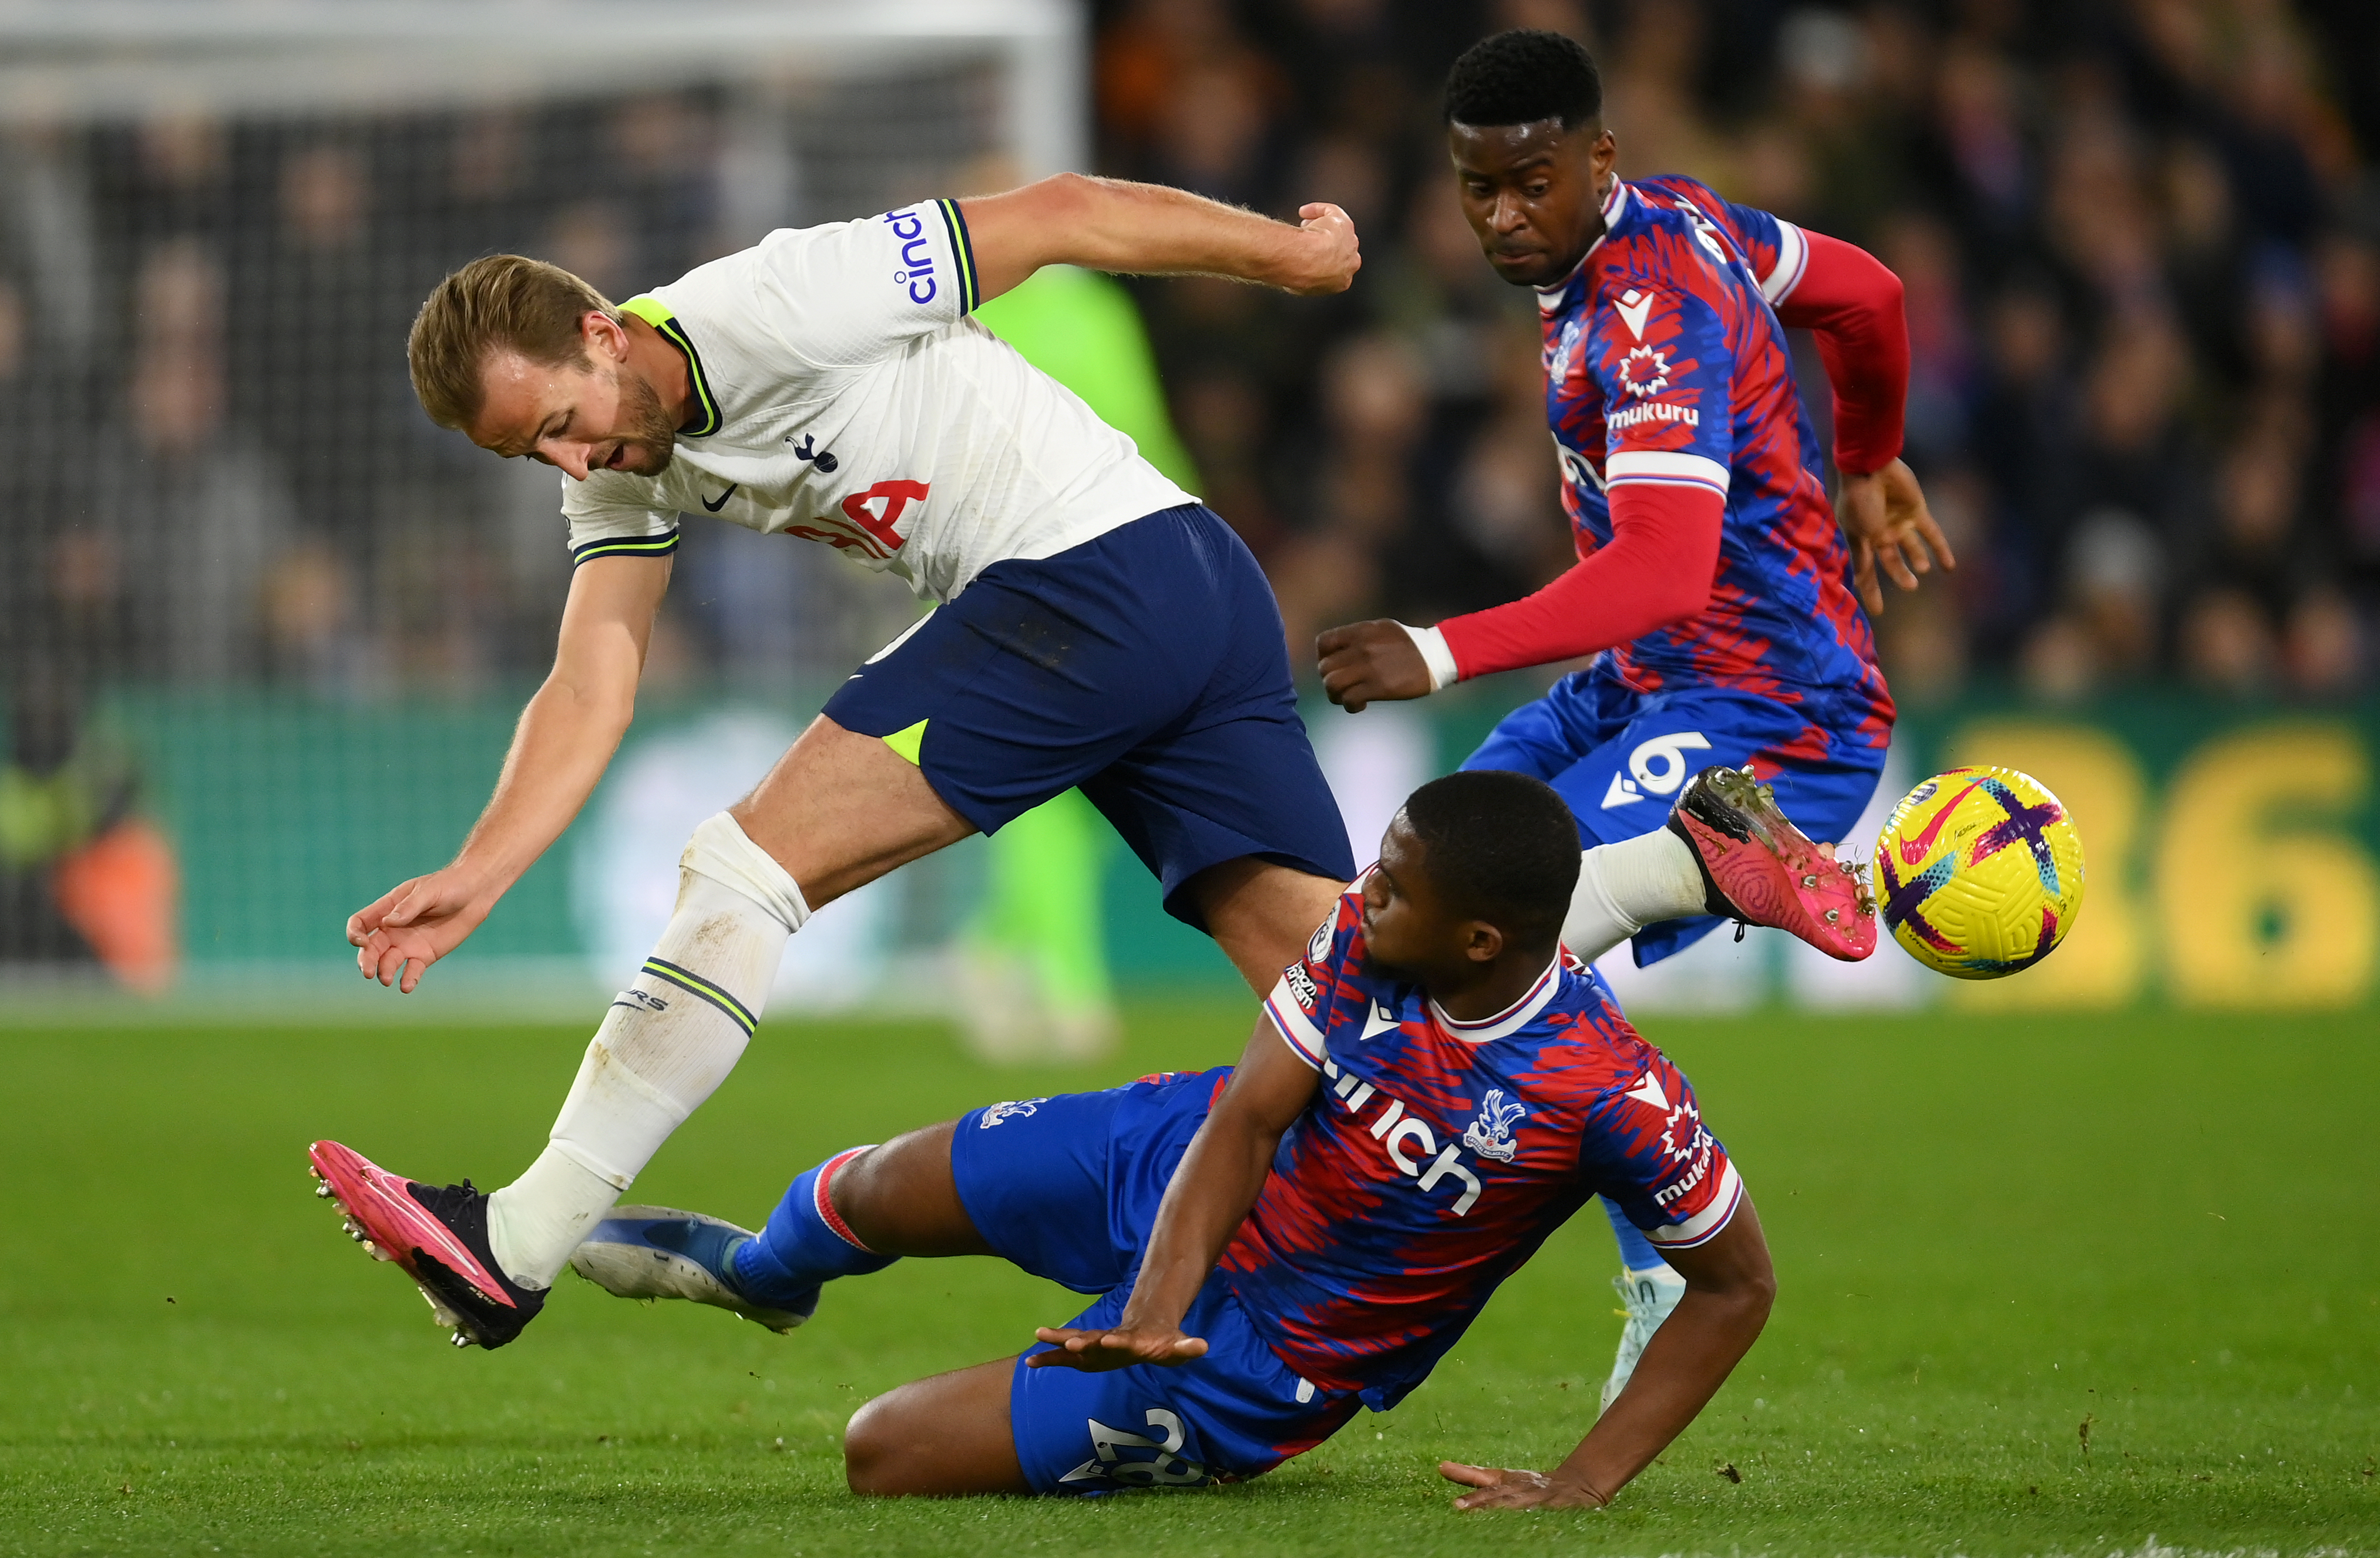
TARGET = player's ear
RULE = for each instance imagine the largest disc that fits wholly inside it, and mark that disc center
(1482, 942)
(607, 338)
(1604, 154)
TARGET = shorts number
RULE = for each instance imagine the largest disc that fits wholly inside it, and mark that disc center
(1659, 765)
(1166, 1470)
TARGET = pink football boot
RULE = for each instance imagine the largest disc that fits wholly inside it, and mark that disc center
(437, 1235)
(1760, 869)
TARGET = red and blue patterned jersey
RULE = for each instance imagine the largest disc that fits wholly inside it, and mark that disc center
(1438, 1155)
(1665, 363)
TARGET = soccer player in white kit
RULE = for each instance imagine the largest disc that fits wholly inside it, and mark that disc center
(1096, 627)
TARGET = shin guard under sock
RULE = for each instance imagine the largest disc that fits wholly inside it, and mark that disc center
(804, 1243)
(666, 1043)
(1625, 886)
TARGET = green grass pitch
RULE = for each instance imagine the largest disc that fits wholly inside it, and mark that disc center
(1992, 1236)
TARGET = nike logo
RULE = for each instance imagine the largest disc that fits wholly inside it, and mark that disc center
(1914, 849)
(711, 507)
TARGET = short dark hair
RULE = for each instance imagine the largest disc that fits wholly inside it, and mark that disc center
(1521, 76)
(1499, 846)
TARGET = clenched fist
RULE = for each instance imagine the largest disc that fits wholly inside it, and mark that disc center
(1369, 663)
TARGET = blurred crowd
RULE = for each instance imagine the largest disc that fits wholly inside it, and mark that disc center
(217, 474)
(2141, 255)
(2140, 248)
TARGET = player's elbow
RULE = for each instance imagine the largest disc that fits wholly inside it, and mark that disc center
(1886, 282)
(1890, 293)
(1760, 1293)
(1066, 203)
(1751, 1295)
(590, 702)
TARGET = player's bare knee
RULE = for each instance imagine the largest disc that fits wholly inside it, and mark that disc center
(871, 1449)
(867, 1448)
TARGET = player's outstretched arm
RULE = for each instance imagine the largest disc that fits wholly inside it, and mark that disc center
(1149, 229)
(1730, 1287)
(565, 740)
(1657, 569)
(1212, 1189)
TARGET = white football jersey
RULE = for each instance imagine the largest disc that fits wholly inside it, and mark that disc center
(844, 395)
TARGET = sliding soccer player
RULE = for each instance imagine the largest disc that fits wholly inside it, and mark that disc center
(1714, 585)
(1431, 1090)
(1096, 627)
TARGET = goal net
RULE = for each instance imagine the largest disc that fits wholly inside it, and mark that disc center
(265, 627)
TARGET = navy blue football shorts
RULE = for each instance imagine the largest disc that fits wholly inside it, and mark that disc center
(1620, 758)
(1144, 666)
(1067, 1187)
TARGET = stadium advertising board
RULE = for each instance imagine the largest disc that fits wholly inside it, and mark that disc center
(2230, 850)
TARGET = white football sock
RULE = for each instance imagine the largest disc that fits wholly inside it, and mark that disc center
(1624, 887)
(667, 1042)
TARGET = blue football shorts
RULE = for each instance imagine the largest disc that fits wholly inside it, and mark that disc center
(1067, 1187)
(1620, 757)
(1145, 666)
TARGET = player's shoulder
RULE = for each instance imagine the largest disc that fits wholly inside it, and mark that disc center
(614, 492)
(1584, 1021)
(1674, 256)
(1592, 1058)
(717, 290)
(1621, 1081)
(1336, 944)
(1697, 205)
(729, 295)
(1666, 190)
(1661, 239)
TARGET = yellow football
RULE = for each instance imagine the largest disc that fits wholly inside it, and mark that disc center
(1980, 870)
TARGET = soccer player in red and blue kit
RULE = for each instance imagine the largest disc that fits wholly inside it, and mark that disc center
(1433, 1088)
(1715, 586)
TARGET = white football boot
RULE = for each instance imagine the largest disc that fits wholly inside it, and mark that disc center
(1650, 1295)
(652, 1252)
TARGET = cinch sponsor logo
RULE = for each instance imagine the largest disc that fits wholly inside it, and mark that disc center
(1656, 411)
(1396, 1130)
(917, 258)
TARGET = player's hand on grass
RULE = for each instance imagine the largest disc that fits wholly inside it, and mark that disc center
(1518, 1490)
(414, 924)
(1370, 662)
(1096, 1351)
(1884, 514)
(1326, 261)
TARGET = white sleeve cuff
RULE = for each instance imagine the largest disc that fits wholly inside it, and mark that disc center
(1296, 1028)
(1792, 258)
(1444, 672)
(1705, 1224)
(1664, 468)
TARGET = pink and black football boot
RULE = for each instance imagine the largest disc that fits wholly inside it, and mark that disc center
(437, 1234)
(1759, 869)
